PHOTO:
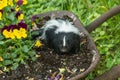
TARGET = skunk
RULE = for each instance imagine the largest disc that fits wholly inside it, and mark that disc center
(61, 35)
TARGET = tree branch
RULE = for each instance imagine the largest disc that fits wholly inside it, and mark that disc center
(111, 74)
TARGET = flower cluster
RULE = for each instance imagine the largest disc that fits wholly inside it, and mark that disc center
(19, 15)
(5, 3)
(15, 31)
(14, 49)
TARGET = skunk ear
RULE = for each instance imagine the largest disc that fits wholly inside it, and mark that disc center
(37, 33)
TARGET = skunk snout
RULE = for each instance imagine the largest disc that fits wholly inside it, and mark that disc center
(64, 49)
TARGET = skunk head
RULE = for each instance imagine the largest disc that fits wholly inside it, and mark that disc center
(66, 42)
(62, 36)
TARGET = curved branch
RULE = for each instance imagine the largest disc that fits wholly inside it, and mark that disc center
(111, 74)
(97, 22)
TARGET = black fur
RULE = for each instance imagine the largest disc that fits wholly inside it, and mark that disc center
(72, 42)
(56, 40)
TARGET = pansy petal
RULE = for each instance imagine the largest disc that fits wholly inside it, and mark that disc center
(38, 43)
(19, 2)
(34, 18)
(5, 27)
(11, 27)
(18, 14)
(22, 25)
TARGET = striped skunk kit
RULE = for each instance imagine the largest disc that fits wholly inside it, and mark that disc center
(67, 51)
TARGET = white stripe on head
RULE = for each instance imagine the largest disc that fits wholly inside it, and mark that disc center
(64, 41)
(66, 26)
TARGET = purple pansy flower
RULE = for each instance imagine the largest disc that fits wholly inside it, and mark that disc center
(20, 2)
(1, 11)
(5, 27)
(11, 27)
(22, 24)
(18, 14)
(34, 18)
(8, 28)
(57, 77)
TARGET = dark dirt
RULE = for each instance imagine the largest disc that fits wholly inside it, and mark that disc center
(49, 64)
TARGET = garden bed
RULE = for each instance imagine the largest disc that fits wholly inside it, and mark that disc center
(49, 64)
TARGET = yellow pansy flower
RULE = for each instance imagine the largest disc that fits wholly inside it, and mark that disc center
(20, 33)
(25, 1)
(17, 8)
(23, 33)
(0, 16)
(16, 0)
(11, 34)
(21, 17)
(16, 33)
(3, 3)
(38, 43)
(10, 2)
(1, 59)
(8, 34)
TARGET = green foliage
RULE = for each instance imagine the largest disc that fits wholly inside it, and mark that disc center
(14, 52)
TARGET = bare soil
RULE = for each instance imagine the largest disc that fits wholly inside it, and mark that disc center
(49, 63)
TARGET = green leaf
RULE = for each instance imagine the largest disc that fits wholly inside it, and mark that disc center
(25, 48)
(1, 37)
(35, 33)
(15, 65)
(17, 60)
(11, 17)
(7, 8)
(102, 32)
(13, 55)
(8, 62)
(32, 53)
(34, 58)
(1, 64)
(6, 56)
(22, 61)
(1, 42)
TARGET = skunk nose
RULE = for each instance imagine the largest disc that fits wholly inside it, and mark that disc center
(63, 50)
